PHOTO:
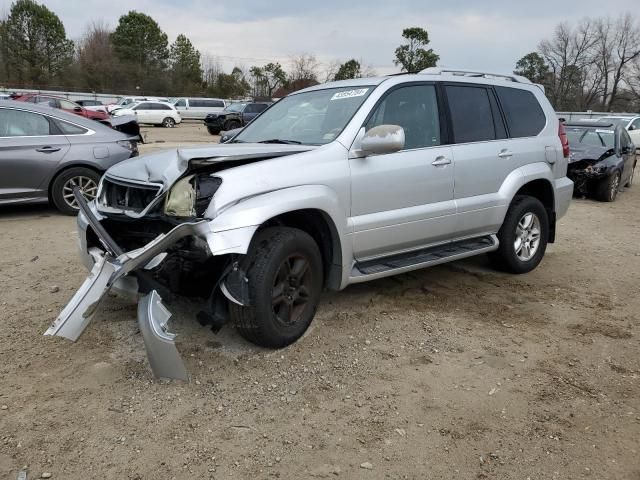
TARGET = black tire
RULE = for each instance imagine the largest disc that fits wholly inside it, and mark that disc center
(506, 257)
(274, 252)
(231, 125)
(630, 181)
(168, 122)
(213, 131)
(61, 188)
(607, 189)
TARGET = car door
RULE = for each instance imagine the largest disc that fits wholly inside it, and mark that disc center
(182, 106)
(145, 113)
(404, 200)
(483, 157)
(628, 153)
(28, 153)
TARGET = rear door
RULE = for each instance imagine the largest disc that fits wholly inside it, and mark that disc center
(28, 153)
(145, 113)
(404, 200)
(482, 155)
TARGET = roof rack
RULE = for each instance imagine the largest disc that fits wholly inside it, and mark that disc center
(474, 73)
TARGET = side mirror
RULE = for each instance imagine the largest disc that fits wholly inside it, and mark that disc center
(382, 139)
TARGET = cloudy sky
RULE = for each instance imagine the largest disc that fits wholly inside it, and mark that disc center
(489, 34)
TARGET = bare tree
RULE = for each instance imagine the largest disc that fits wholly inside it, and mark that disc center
(99, 69)
(304, 67)
(626, 48)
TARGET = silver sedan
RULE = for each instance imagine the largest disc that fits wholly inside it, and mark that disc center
(45, 152)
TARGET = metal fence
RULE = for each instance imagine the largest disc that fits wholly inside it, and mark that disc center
(589, 115)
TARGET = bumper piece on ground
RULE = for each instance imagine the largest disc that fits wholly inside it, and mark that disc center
(110, 270)
(163, 355)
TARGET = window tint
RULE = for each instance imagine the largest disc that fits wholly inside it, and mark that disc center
(525, 117)
(471, 113)
(144, 106)
(67, 105)
(415, 109)
(181, 103)
(69, 128)
(251, 108)
(18, 123)
(160, 106)
(195, 103)
(261, 107)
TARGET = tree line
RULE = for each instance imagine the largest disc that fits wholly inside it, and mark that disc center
(136, 57)
(593, 64)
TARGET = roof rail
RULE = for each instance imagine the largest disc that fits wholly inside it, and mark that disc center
(474, 73)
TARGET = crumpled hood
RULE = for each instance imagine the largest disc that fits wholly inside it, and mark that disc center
(168, 166)
(589, 153)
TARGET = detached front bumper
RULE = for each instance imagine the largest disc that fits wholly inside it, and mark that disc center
(112, 268)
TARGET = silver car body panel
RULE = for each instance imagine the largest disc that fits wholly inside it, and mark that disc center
(445, 196)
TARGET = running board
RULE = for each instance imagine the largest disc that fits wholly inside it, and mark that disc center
(426, 257)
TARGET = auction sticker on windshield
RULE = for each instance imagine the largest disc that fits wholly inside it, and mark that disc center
(349, 94)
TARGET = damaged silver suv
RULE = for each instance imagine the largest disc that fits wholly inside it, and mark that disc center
(336, 184)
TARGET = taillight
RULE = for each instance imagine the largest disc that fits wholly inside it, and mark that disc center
(563, 139)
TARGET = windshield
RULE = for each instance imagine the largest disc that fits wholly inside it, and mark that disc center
(235, 107)
(312, 118)
(590, 137)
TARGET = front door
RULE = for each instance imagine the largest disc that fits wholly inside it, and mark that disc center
(404, 200)
(28, 153)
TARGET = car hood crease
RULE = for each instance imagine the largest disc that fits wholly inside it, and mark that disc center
(168, 166)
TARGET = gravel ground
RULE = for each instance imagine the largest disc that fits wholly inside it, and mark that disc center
(452, 372)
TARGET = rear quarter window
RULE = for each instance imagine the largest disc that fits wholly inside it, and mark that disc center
(525, 117)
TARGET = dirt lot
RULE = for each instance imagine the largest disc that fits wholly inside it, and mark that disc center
(456, 372)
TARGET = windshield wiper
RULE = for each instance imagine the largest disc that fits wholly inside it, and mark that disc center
(279, 140)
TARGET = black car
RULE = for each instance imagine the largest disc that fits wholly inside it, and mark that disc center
(234, 116)
(602, 158)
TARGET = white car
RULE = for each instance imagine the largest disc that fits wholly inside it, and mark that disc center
(630, 123)
(155, 113)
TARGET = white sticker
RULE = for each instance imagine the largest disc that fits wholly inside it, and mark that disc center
(349, 94)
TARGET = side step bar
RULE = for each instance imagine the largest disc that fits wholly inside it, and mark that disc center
(426, 257)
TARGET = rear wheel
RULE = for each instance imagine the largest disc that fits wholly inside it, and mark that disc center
(62, 188)
(284, 269)
(523, 236)
(168, 122)
(607, 189)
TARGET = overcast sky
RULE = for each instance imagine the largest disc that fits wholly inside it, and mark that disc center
(488, 34)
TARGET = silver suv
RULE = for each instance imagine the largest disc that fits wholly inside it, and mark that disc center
(336, 184)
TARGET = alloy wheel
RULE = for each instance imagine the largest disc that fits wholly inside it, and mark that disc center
(527, 238)
(614, 186)
(88, 188)
(292, 288)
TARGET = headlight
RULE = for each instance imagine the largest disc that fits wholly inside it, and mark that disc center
(190, 196)
(180, 201)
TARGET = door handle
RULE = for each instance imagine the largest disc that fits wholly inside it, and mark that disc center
(440, 161)
(48, 149)
(505, 153)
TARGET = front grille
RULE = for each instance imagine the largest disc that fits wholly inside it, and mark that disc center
(132, 197)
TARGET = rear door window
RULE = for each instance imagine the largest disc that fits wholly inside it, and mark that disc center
(70, 129)
(472, 117)
(415, 109)
(525, 117)
(18, 123)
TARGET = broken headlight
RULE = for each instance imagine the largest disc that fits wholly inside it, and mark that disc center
(190, 196)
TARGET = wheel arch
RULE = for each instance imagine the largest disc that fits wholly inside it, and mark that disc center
(314, 209)
(69, 166)
(542, 189)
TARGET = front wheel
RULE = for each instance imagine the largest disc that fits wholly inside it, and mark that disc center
(607, 189)
(168, 122)
(62, 188)
(284, 269)
(232, 125)
(523, 236)
(213, 131)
